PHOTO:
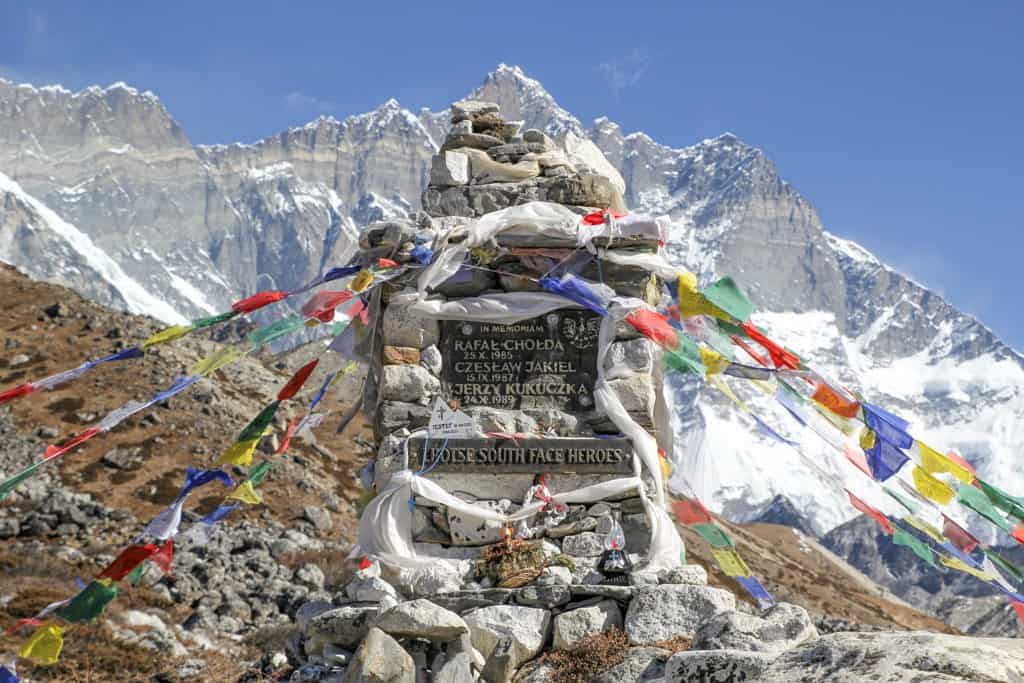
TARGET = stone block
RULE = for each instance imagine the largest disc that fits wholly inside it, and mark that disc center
(470, 141)
(466, 530)
(408, 383)
(546, 597)
(450, 167)
(783, 627)
(692, 574)
(466, 110)
(484, 170)
(380, 658)
(393, 415)
(345, 626)
(716, 665)
(586, 544)
(402, 327)
(528, 628)
(637, 396)
(627, 358)
(641, 665)
(665, 612)
(571, 626)
(421, 619)
(400, 355)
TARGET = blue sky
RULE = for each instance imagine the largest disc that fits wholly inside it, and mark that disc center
(901, 122)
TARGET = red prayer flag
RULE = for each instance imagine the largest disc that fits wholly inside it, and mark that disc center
(17, 392)
(387, 263)
(55, 451)
(365, 563)
(1018, 533)
(655, 327)
(750, 351)
(858, 459)
(164, 557)
(691, 512)
(959, 460)
(286, 441)
(130, 558)
(298, 379)
(831, 399)
(257, 300)
(871, 512)
(22, 623)
(780, 356)
(322, 304)
(958, 536)
(1018, 607)
(597, 217)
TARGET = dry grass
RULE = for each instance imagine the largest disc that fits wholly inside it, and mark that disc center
(588, 657)
(337, 568)
(674, 645)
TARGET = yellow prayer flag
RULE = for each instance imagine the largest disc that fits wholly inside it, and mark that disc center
(844, 424)
(246, 493)
(719, 383)
(361, 281)
(714, 362)
(767, 386)
(934, 462)
(216, 360)
(867, 439)
(692, 302)
(166, 335)
(44, 647)
(666, 468)
(731, 563)
(961, 566)
(925, 528)
(652, 290)
(240, 453)
(931, 488)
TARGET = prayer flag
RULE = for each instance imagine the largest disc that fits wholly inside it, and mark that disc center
(195, 477)
(714, 535)
(43, 648)
(932, 488)
(7, 675)
(1004, 565)
(727, 296)
(731, 563)
(298, 379)
(164, 557)
(760, 594)
(925, 528)
(276, 330)
(891, 431)
(322, 304)
(257, 301)
(287, 439)
(17, 392)
(692, 302)
(834, 401)
(961, 566)
(22, 623)
(130, 558)
(1018, 607)
(655, 327)
(749, 372)
(89, 603)
(714, 362)
(55, 451)
(220, 513)
(15, 481)
(934, 462)
(239, 453)
(361, 281)
(1018, 532)
(386, 263)
(906, 502)
(135, 577)
(884, 459)
(751, 352)
(857, 459)
(246, 493)
(901, 537)
(781, 357)
(166, 335)
(259, 472)
(179, 386)
(765, 428)
(203, 323)
(958, 536)
(259, 424)
(216, 360)
(691, 512)
(576, 289)
(422, 254)
(871, 512)
(1004, 501)
(972, 498)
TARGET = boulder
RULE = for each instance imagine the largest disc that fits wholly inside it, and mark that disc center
(783, 627)
(588, 158)
(539, 137)
(546, 597)
(450, 167)
(380, 659)
(466, 110)
(410, 383)
(344, 626)
(442, 577)
(641, 665)
(586, 544)
(665, 612)
(579, 623)
(370, 589)
(421, 619)
(527, 627)
(692, 574)
(454, 668)
(502, 663)
(716, 665)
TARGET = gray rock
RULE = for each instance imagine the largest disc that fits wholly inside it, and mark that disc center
(380, 659)
(637, 396)
(586, 544)
(344, 626)
(692, 574)
(122, 457)
(502, 663)
(538, 137)
(577, 526)
(18, 359)
(426, 530)
(641, 665)
(716, 666)
(464, 126)
(467, 530)
(579, 623)
(402, 327)
(620, 593)
(455, 668)
(393, 415)
(421, 619)
(467, 282)
(782, 628)
(665, 612)
(431, 580)
(643, 578)
(431, 359)
(470, 141)
(555, 576)
(319, 518)
(463, 601)
(465, 110)
(409, 383)
(310, 576)
(633, 356)
(545, 597)
(515, 149)
(527, 627)
(370, 589)
(450, 168)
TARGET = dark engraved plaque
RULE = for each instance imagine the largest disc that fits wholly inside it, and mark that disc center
(506, 456)
(545, 362)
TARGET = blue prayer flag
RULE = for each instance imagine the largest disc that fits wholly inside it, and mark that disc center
(885, 460)
(887, 426)
(756, 590)
(576, 289)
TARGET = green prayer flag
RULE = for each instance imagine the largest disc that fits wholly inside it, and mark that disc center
(265, 335)
(1006, 566)
(714, 535)
(905, 501)
(259, 424)
(901, 537)
(728, 296)
(212, 320)
(686, 357)
(972, 498)
(135, 577)
(88, 604)
(1003, 501)
(257, 473)
(14, 482)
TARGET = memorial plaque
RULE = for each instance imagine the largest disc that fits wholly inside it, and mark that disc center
(545, 362)
(523, 456)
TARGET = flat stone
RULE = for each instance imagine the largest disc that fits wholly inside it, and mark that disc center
(637, 396)
(425, 530)
(370, 589)
(122, 457)
(402, 327)
(515, 150)
(421, 619)
(393, 415)
(546, 597)
(464, 126)
(345, 626)
(692, 574)
(641, 665)
(637, 533)
(784, 626)
(586, 544)
(400, 355)
(555, 576)
(409, 383)
(573, 625)
(527, 627)
(665, 612)
(577, 526)
(431, 580)
(309, 610)
(620, 593)
(450, 167)
(466, 530)
(456, 668)
(551, 159)
(468, 141)
(539, 137)
(725, 666)
(464, 110)
(463, 601)
(380, 659)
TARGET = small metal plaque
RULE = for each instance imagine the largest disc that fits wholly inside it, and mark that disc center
(506, 456)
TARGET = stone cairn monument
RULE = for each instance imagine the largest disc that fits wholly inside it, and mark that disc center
(507, 514)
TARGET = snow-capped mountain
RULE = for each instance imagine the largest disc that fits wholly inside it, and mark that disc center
(196, 226)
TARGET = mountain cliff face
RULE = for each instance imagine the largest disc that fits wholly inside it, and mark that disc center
(196, 226)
